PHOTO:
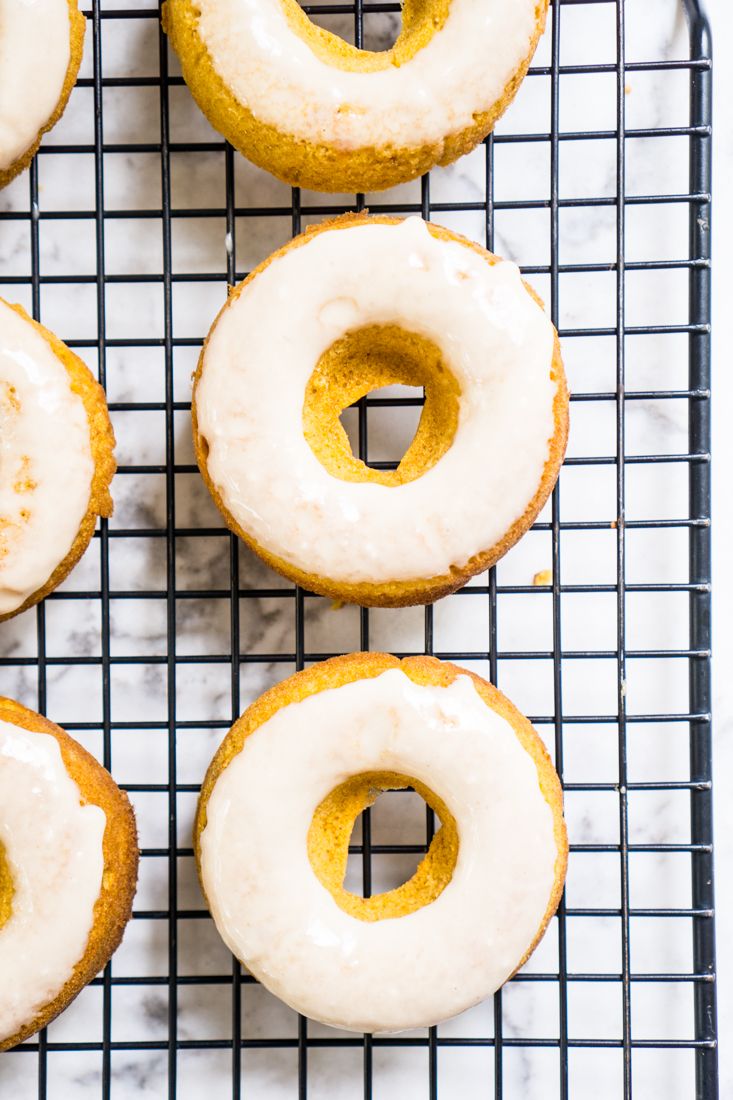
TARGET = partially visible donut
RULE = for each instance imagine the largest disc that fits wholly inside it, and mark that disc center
(68, 867)
(319, 113)
(352, 305)
(275, 817)
(57, 451)
(41, 44)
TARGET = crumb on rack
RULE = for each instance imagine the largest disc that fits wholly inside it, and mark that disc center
(544, 577)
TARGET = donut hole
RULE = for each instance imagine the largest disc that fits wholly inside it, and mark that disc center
(380, 30)
(388, 841)
(366, 360)
(6, 887)
(392, 426)
(328, 847)
(389, 38)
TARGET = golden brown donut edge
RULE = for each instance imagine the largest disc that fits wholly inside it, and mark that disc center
(101, 437)
(77, 30)
(347, 669)
(421, 590)
(320, 166)
(113, 907)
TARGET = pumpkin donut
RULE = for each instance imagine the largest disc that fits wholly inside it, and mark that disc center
(350, 306)
(319, 113)
(68, 867)
(57, 460)
(275, 816)
(41, 44)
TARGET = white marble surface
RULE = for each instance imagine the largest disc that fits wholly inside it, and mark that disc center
(203, 691)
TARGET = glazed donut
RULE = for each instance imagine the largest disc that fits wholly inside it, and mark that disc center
(277, 808)
(68, 866)
(57, 460)
(41, 43)
(350, 306)
(319, 113)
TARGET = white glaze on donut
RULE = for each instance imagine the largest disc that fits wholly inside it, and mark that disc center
(249, 402)
(462, 71)
(46, 464)
(35, 50)
(53, 846)
(392, 974)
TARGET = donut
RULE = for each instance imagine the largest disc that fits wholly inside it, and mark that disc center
(276, 811)
(68, 867)
(319, 113)
(56, 460)
(41, 44)
(352, 305)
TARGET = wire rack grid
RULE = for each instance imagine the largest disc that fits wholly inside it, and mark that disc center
(218, 627)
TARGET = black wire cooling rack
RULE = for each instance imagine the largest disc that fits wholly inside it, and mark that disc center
(624, 946)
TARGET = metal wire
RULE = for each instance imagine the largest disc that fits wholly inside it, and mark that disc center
(699, 914)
